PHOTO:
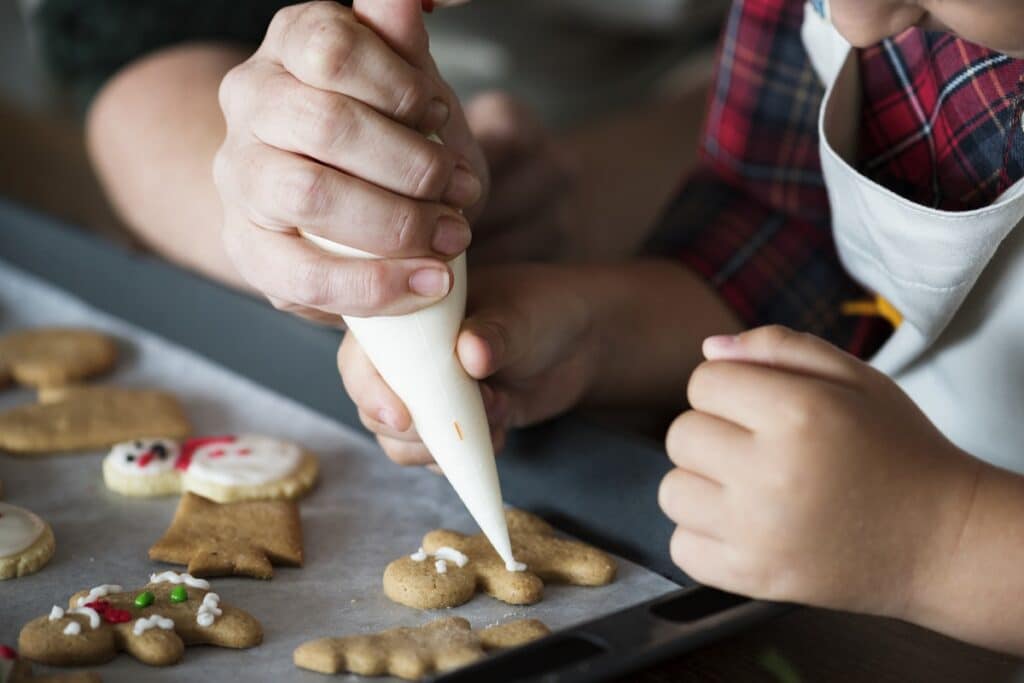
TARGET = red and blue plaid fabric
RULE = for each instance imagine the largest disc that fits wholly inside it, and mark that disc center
(941, 125)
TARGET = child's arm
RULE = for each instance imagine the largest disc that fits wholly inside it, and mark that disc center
(805, 475)
(546, 337)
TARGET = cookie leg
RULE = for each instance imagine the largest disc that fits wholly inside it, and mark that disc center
(156, 647)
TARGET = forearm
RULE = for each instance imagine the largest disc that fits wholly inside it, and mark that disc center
(976, 595)
(650, 318)
(630, 165)
(152, 133)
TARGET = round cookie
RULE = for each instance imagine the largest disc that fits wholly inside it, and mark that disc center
(45, 357)
(224, 469)
(26, 542)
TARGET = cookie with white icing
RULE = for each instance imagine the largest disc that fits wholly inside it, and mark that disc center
(221, 468)
(153, 624)
(26, 542)
(451, 567)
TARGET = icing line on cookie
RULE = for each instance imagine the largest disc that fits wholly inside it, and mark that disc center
(72, 629)
(152, 621)
(98, 592)
(515, 566)
(94, 616)
(451, 555)
(440, 566)
(209, 610)
(19, 529)
(419, 555)
(56, 613)
(175, 577)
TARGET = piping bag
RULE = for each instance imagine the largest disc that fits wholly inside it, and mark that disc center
(415, 354)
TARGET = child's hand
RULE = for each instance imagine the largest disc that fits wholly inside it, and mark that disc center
(805, 475)
(325, 132)
(529, 334)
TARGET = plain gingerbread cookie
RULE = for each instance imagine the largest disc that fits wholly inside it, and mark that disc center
(154, 624)
(47, 357)
(451, 567)
(14, 669)
(412, 653)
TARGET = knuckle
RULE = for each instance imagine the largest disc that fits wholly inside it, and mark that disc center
(406, 225)
(411, 102)
(304, 191)
(428, 171)
(330, 48)
(369, 285)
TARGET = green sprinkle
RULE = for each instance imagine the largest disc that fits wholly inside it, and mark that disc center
(179, 594)
(144, 599)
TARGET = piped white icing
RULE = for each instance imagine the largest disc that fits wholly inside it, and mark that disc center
(19, 528)
(56, 613)
(98, 592)
(515, 566)
(419, 555)
(209, 610)
(440, 566)
(143, 457)
(450, 554)
(94, 616)
(249, 460)
(72, 629)
(175, 577)
(152, 621)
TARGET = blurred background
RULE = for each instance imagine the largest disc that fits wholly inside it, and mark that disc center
(579, 63)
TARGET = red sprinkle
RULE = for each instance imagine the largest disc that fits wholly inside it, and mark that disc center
(7, 652)
(109, 612)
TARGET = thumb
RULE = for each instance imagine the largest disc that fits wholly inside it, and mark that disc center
(400, 24)
(783, 348)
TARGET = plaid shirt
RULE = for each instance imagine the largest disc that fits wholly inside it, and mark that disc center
(940, 125)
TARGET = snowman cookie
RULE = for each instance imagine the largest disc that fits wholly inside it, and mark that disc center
(224, 469)
(26, 542)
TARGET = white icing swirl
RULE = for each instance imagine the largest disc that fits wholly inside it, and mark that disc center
(515, 566)
(56, 613)
(451, 555)
(440, 566)
(99, 592)
(209, 610)
(72, 629)
(152, 621)
(94, 616)
(175, 577)
(19, 528)
(419, 555)
(249, 460)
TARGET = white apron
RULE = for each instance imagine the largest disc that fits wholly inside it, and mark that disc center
(957, 279)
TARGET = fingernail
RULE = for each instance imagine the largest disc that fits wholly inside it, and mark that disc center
(452, 235)
(464, 188)
(719, 345)
(431, 282)
(435, 117)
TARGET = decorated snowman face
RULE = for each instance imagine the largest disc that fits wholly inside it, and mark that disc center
(246, 459)
(145, 457)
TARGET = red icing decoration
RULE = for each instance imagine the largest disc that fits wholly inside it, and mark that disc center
(189, 447)
(217, 453)
(109, 612)
(7, 652)
(146, 458)
(245, 451)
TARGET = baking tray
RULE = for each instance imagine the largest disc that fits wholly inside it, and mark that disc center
(594, 483)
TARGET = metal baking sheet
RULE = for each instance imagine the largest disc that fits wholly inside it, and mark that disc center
(364, 512)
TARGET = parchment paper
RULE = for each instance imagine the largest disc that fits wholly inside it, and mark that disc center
(364, 513)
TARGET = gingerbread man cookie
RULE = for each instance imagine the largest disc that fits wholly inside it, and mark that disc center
(451, 567)
(412, 653)
(246, 538)
(85, 418)
(222, 468)
(26, 542)
(153, 624)
(46, 357)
